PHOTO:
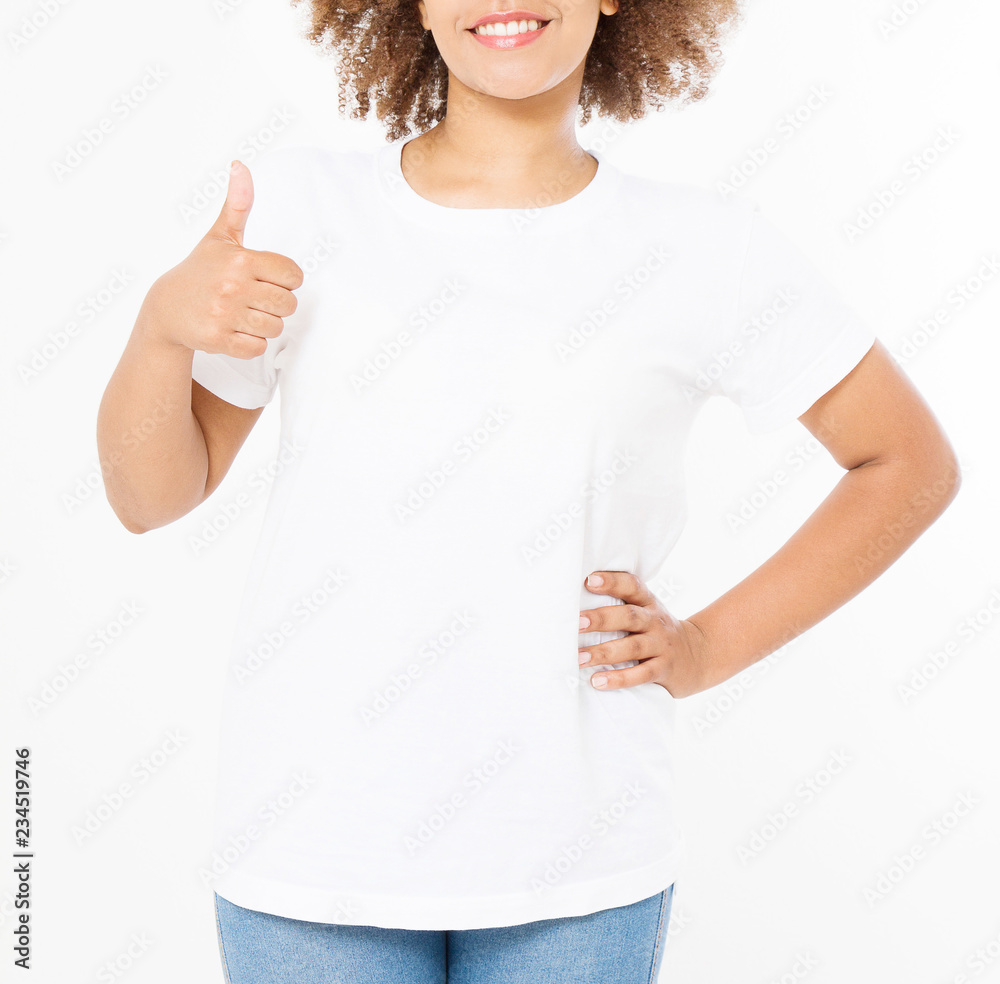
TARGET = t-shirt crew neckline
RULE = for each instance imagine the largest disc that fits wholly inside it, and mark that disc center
(572, 213)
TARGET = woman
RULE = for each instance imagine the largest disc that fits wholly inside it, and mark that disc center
(447, 733)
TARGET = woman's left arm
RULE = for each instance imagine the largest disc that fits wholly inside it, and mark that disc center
(902, 473)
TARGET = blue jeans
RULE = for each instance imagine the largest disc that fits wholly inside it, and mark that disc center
(622, 945)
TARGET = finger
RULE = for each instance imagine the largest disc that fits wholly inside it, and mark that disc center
(615, 618)
(276, 268)
(244, 345)
(638, 645)
(621, 584)
(232, 220)
(632, 676)
(260, 324)
(271, 299)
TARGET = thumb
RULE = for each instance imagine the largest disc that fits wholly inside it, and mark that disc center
(232, 219)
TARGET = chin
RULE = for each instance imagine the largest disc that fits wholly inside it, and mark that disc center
(514, 89)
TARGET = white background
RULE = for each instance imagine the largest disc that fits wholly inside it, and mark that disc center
(800, 905)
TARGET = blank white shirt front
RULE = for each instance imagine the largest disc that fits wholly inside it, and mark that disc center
(479, 407)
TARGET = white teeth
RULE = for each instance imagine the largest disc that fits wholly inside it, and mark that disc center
(511, 27)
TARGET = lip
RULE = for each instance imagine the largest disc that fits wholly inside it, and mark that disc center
(508, 15)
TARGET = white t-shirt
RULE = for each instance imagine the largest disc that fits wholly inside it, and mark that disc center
(479, 407)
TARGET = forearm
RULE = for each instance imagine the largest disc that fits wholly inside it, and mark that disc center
(152, 451)
(867, 521)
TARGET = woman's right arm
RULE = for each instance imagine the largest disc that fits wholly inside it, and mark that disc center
(165, 442)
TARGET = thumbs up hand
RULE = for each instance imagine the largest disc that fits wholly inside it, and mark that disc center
(224, 298)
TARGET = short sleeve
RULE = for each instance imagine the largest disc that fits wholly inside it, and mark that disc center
(251, 383)
(786, 335)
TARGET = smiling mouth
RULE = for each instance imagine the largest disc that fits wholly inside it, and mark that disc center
(500, 30)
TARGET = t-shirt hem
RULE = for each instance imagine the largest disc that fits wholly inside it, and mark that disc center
(228, 384)
(840, 357)
(316, 904)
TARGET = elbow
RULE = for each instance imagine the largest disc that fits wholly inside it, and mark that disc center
(939, 479)
(951, 483)
(141, 518)
(952, 474)
(928, 466)
(131, 523)
(947, 471)
(926, 480)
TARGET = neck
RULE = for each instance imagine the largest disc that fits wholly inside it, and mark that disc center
(510, 142)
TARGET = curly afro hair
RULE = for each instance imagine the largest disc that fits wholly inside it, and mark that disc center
(648, 52)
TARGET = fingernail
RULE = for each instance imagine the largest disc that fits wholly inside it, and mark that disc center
(594, 581)
(599, 681)
(584, 658)
(584, 621)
